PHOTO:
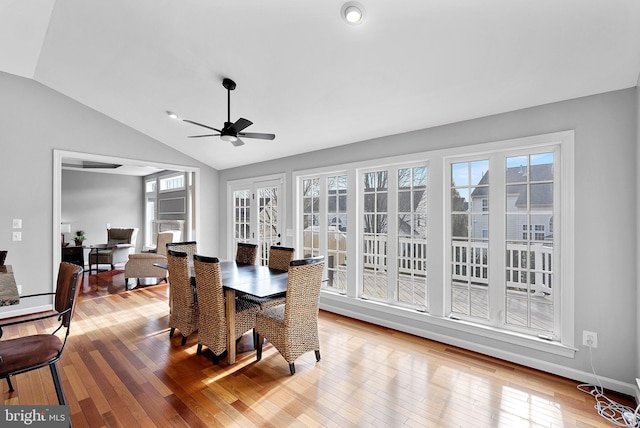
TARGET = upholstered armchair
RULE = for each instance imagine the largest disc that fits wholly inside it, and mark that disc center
(141, 265)
(120, 243)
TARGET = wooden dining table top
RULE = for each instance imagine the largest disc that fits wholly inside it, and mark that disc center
(259, 281)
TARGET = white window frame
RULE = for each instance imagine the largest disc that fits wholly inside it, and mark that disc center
(438, 264)
(168, 178)
(252, 184)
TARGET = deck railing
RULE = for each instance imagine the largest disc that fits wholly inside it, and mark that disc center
(470, 261)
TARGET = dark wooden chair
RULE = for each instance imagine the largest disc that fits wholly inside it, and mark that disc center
(292, 328)
(27, 353)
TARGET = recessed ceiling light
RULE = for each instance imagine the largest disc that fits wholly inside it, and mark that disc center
(353, 13)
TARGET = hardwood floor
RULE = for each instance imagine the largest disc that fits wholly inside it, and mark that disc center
(121, 369)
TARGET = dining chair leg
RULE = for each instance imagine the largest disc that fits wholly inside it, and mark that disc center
(56, 382)
(10, 384)
(292, 369)
(199, 350)
(184, 340)
(173, 330)
(318, 355)
(258, 345)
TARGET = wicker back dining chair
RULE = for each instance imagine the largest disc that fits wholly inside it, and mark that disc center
(184, 307)
(292, 328)
(27, 353)
(280, 257)
(246, 254)
(212, 326)
(189, 247)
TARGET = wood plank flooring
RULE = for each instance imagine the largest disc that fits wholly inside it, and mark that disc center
(121, 369)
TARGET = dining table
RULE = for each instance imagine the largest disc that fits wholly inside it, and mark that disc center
(8, 289)
(259, 281)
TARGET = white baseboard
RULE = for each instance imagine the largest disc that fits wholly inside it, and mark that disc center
(25, 311)
(387, 320)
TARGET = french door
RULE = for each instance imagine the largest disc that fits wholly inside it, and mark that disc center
(257, 215)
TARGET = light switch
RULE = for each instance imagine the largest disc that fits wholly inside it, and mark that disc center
(17, 236)
(17, 223)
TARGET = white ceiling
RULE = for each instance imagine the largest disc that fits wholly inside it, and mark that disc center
(308, 77)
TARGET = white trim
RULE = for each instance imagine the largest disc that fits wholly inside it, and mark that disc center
(27, 311)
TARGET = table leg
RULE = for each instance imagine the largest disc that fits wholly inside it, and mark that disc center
(230, 305)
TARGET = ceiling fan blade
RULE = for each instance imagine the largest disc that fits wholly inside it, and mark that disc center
(240, 125)
(206, 135)
(238, 142)
(257, 135)
(200, 124)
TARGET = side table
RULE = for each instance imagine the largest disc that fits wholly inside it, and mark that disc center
(73, 255)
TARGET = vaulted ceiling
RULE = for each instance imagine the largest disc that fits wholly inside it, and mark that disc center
(306, 75)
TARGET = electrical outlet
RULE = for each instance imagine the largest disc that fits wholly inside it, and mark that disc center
(590, 339)
(16, 236)
(17, 223)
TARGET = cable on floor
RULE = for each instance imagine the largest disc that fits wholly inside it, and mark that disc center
(618, 414)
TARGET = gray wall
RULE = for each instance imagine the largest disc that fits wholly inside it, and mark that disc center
(90, 200)
(605, 218)
(35, 120)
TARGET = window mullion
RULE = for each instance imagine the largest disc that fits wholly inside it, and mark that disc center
(497, 239)
(392, 235)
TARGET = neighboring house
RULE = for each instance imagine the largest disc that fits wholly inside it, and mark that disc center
(519, 227)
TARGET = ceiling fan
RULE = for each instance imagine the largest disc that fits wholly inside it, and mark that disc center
(231, 131)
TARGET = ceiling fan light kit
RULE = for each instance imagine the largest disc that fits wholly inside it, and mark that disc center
(231, 131)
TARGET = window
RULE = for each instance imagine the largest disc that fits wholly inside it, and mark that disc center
(412, 236)
(256, 215)
(470, 238)
(478, 219)
(375, 220)
(174, 182)
(323, 207)
(529, 181)
(311, 215)
(527, 300)
(151, 198)
(337, 232)
(242, 215)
